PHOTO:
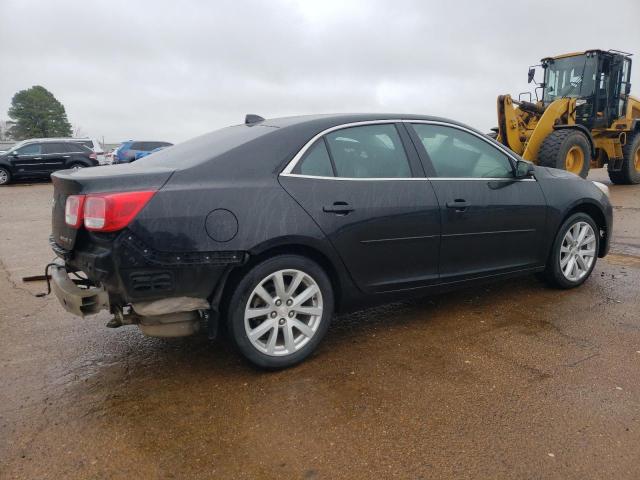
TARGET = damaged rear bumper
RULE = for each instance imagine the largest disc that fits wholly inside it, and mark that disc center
(75, 298)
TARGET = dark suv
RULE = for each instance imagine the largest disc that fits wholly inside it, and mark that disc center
(39, 158)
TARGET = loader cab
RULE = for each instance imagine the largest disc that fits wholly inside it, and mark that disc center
(599, 80)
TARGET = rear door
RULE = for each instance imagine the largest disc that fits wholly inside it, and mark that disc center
(366, 190)
(491, 222)
(54, 155)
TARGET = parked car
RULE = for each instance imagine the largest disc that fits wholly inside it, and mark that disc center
(128, 150)
(90, 143)
(39, 158)
(140, 155)
(273, 225)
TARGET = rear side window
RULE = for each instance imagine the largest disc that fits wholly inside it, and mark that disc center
(316, 161)
(31, 149)
(49, 148)
(138, 146)
(86, 143)
(455, 153)
(369, 151)
(77, 147)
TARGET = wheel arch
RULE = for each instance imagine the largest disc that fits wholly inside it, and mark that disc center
(594, 211)
(293, 245)
(581, 129)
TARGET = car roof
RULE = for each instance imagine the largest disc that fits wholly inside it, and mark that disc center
(58, 140)
(335, 119)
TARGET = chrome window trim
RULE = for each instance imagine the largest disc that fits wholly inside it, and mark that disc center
(409, 179)
(286, 172)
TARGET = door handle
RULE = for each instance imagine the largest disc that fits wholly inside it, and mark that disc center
(459, 204)
(339, 208)
(37, 158)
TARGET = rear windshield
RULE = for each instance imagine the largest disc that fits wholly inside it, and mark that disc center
(203, 148)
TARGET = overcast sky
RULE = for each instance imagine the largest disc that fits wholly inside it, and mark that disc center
(171, 70)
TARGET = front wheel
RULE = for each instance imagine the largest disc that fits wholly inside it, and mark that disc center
(280, 310)
(5, 176)
(574, 252)
(566, 149)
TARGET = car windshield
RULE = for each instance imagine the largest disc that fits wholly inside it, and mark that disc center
(16, 146)
(570, 77)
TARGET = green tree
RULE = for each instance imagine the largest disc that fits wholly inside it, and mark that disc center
(37, 114)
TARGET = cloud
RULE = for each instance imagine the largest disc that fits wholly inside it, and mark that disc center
(172, 70)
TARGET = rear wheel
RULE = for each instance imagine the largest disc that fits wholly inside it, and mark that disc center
(566, 149)
(574, 252)
(280, 310)
(77, 166)
(5, 176)
(629, 174)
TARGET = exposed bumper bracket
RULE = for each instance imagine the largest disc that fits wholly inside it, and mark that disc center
(76, 300)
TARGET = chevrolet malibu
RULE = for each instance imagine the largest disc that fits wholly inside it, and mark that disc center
(271, 226)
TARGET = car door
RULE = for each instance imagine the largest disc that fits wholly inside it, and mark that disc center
(54, 156)
(366, 190)
(27, 160)
(491, 221)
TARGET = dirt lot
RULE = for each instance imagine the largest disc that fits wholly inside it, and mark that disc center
(513, 380)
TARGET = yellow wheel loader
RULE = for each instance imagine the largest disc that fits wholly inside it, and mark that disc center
(584, 117)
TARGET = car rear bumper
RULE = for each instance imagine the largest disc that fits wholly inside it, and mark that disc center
(75, 299)
(129, 271)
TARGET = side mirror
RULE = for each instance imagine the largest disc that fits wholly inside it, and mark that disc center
(531, 75)
(524, 169)
(14, 153)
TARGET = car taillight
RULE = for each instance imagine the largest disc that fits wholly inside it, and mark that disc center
(93, 156)
(73, 210)
(109, 212)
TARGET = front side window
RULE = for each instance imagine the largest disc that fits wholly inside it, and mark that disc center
(368, 151)
(316, 161)
(31, 149)
(455, 153)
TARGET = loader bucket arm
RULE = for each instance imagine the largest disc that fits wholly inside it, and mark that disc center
(559, 112)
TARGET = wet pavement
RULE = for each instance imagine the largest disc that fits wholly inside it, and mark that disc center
(510, 380)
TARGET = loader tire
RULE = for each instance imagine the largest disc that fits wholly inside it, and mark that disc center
(629, 174)
(566, 149)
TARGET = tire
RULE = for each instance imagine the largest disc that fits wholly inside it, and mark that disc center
(566, 149)
(5, 176)
(629, 174)
(77, 166)
(284, 341)
(557, 265)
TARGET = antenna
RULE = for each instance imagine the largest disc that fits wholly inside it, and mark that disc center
(252, 119)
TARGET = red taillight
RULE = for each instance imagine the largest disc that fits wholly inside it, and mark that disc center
(73, 210)
(109, 212)
(93, 156)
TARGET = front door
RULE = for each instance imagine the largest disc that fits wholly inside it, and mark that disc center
(368, 194)
(27, 160)
(491, 222)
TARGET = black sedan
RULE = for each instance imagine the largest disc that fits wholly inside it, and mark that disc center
(273, 225)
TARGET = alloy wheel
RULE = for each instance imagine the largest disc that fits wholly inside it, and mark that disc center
(577, 251)
(283, 312)
(4, 177)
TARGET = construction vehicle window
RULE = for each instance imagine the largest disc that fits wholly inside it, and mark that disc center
(455, 153)
(573, 77)
(316, 161)
(370, 151)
